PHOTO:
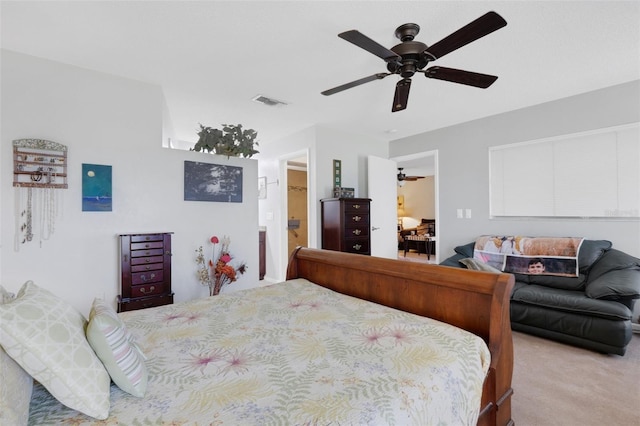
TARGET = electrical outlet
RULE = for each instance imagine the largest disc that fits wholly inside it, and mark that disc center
(467, 213)
(459, 214)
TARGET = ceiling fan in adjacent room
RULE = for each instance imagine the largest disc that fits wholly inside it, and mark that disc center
(410, 57)
(402, 178)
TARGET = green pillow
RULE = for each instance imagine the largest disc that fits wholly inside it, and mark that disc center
(45, 336)
(16, 385)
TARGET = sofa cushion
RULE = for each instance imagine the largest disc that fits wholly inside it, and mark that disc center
(565, 283)
(465, 250)
(570, 301)
(453, 261)
(617, 284)
(523, 278)
(612, 260)
(590, 252)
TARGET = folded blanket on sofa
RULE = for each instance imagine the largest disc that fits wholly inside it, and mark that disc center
(530, 255)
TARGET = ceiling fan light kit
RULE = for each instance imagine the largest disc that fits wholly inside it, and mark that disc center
(411, 56)
(402, 177)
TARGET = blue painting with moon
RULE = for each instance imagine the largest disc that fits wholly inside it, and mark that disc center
(96, 188)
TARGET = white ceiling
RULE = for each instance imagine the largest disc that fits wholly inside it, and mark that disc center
(212, 57)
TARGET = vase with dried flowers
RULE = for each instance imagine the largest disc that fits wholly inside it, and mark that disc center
(218, 271)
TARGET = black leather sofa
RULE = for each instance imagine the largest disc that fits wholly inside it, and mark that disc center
(593, 310)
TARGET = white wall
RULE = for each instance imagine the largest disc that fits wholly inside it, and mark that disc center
(464, 166)
(323, 145)
(109, 120)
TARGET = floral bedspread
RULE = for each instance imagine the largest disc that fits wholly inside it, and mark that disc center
(292, 353)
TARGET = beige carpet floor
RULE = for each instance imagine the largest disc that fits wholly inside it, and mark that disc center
(414, 256)
(558, 384)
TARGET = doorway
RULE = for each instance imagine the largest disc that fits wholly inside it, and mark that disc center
(297, 211)
(420, 195)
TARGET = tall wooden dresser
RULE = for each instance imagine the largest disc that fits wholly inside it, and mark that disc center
(145, 264)
(345, 225)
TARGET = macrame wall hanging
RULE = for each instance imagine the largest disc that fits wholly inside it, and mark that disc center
(39, 171)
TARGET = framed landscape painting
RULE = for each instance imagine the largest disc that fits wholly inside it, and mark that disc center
(212, 182)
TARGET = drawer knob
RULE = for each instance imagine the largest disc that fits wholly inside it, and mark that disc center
(356, 206)
(357, 246)
(357, 231)
(357, 218)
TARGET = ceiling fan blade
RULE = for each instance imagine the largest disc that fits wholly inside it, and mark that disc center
(402, 95)
(355, 83)
(413, 178)
(364, 42)
(486, 24)
(459, 76)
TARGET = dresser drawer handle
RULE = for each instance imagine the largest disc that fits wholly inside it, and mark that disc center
(144, 290)
(144, 277)
(357, 231)
(356, 206)
(147, 260)
(357, 218)
(357, 246)
(146, 245)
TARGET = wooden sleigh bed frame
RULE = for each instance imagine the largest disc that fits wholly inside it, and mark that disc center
(475, 301)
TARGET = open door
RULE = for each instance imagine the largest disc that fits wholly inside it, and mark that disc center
(384, 218)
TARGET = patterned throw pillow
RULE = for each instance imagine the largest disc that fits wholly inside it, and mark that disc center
(16, 384)
(45, 335)
(116, 348)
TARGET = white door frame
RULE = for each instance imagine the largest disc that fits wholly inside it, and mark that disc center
(436, 189)
(284, 204)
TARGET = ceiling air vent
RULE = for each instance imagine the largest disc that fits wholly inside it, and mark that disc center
(268, 101)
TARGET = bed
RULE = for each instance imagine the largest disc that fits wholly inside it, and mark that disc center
(311, 350)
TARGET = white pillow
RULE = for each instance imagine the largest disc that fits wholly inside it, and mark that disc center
(45, 335)
(116, 348)
(16, 385)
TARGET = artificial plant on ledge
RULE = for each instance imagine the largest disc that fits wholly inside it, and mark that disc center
(231, 141)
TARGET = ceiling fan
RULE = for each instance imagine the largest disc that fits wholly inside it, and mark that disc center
(404, 178)
(410, 57)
